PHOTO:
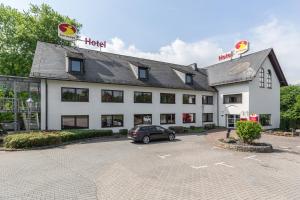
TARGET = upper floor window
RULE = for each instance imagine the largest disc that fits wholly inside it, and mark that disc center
(269, 79)
(262, 78)
(75, 94)
(143, 73)
(189, 99)
(142, 97)
(209, 100)
(167, 98)
(75, 65)
(189, 79)
(115, 96)
(232, 98)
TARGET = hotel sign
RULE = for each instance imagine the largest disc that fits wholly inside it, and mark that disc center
(240, 48)
(67, 32)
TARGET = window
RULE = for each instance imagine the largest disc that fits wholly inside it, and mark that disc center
(232, 98)
(189, 79)
(142, 97)
(265, 119)
(75, 94)
(189, 99)
(142, 119)
(207, 100)
(112, 121)
(115, 96)
(167, 98)
(269, 79)
(75, 65)
(262, 78)
(143, 73)
(188, 117)
(207, 117)
(74, 121)
(167, 118)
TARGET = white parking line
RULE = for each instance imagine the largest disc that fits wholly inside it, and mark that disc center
(252, 158)
(164, 156)
(216, 147)
(223, 164)
(199, 167)
(298, 146)
(283, 147)
(140, 147)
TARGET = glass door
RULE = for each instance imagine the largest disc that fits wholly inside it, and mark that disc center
(231, 120)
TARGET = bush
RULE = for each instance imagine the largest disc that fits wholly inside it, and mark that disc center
(123, 131)
(248, 131)
(177, 129)
(28, 140)
(38, 139)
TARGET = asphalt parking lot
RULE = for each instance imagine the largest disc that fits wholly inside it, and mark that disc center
(191, 167)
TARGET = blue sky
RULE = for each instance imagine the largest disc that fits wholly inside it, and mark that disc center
(187, 31)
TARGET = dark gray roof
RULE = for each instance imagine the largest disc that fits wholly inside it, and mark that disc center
(101, 67)
(242, 69)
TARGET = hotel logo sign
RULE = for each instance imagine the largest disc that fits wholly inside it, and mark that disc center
(67, 32)
(240, 48)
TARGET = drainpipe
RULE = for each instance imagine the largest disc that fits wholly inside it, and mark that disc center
(46, 102)
(218, 114)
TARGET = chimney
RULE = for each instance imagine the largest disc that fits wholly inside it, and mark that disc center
(193, 66)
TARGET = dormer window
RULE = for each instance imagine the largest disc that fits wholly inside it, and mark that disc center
(189, 79)
(143, 73)
(76, 65)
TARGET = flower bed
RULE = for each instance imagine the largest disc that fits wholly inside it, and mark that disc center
(42, 138)
(237, 145)
(282, 133)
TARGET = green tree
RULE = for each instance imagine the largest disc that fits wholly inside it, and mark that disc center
(20, 31)
(290, 105)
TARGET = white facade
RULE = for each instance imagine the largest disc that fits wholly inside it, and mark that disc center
(255, 99)
(95, 108)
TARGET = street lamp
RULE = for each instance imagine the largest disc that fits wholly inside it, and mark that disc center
(29, 102)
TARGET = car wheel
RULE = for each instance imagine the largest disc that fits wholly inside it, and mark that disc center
(171, 137)
(146, 139)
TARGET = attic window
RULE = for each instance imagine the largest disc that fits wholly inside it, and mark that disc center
(143, 73)
(75, 65)
(189, 79)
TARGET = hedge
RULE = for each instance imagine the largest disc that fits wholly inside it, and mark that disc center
(39, 139)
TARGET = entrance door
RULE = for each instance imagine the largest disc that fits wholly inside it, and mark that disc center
(231, 120)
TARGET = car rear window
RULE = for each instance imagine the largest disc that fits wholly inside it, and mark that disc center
(144, 128)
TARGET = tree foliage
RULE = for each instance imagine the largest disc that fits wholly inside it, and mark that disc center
(290, 102)
(20, 31)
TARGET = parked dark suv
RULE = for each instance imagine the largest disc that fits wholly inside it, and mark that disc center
(146, 133)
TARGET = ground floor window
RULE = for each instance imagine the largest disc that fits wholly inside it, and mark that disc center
(74, 121)
(142, 119)
(207, 117)
(167, 118)
(188, 117)
(112, 121)
(265, 119)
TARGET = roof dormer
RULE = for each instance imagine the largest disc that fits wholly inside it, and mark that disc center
(74, 63)
(185, 76)
(140, 71)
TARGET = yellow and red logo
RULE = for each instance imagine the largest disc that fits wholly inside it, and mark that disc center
(67, 31)
(241, 47)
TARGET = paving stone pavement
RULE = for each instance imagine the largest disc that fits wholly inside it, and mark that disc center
(189, 168)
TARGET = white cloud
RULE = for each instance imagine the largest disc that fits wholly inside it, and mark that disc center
(283, 37)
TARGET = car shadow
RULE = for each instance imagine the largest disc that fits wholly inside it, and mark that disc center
(156, 142)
